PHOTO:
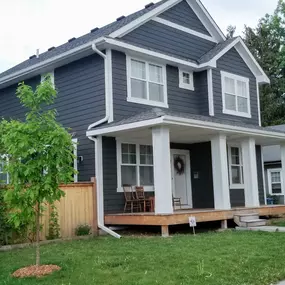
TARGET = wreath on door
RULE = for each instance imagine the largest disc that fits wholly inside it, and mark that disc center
(179, 165)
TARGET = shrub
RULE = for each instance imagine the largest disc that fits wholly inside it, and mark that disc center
(83, 230)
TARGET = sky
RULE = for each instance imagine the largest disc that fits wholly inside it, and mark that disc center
(27, 25)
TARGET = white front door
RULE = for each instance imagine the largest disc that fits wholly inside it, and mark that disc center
(181, 176)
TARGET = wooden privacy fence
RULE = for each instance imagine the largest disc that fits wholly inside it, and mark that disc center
(78, 207)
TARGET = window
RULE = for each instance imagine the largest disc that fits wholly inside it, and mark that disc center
(235, 92)
(51, 74)
(4, 176)
(135, 165)
(146, 83)
(75, 162)
(275, 182)
(235, 167)
(186, 80)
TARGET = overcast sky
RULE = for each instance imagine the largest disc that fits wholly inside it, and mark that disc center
(30, 24)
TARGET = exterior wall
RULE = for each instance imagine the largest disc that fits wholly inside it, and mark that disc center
(80, 102)
(161, 38)
(180, 100)
(183, 15)
(232, 62)
(260, 175)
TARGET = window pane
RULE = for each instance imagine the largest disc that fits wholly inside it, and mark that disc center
(230, 85)
(156, 92)
(146, 156)
(129, 175)
(242, 104)
(138, 89)
(241, 88)
(275, 177)
(186, 78)
(3, 178)
(129, 153)
(276, 188)
(146, 175)
(138, 69)
(235, 155)
(230, 101)
(155, 73)
(236, 175)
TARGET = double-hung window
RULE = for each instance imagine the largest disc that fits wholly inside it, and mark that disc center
(51, 75)
(235, 167)
(4, 176)
(235, 93)
(186, 80)
(146, 83)
(135, 165)
(275, 182)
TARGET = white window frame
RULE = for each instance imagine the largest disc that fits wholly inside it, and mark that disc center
(269, 171)
(235, 78)
(5, 156)
(235, 185)
(51, 73)
(148, 188)
(146, 101)
(183, 85)
(75, 162)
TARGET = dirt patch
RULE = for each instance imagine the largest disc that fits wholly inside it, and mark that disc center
(35, 271)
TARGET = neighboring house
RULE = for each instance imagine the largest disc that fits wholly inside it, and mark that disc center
(151, 89)
(273, 169)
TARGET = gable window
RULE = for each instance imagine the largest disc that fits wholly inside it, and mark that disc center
(135, 165)
(51, 74)
(235, 93)
(4, 176)
(275, 182)
(146, 83)
(235, 167)
(186, 80)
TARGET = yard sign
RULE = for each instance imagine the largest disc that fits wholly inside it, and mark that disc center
(193, 223)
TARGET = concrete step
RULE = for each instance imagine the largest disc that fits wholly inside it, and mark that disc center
(253, 223)
(248, 217)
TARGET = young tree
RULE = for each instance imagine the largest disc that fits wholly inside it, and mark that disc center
(266, 42)
(40, 154)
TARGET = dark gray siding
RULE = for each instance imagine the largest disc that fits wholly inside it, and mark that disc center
(260, 175)
(233, 63)
(237, 197)
(80, 102)
(183, 15)
(180, 100)
(168, 40)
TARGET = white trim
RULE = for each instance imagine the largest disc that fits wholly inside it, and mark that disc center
(263, 176)
(235, 185)
(143, 19)
(282, 152)
(188, 174)
(210, 92)
(258, 103)
(109, 87)
(184, 29)
(269, 171)
(235, 78)
(75, 162)
(183, 85)
(147, 80)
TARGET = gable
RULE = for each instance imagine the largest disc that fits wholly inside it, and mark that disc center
(183, 15)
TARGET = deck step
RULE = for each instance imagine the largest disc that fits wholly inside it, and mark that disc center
(253, 223)
(249, 220)
(248, 217)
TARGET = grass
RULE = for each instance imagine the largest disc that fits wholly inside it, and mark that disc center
(277, 222)
(229, 258)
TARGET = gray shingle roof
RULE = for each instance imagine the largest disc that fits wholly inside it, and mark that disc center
(104, 31)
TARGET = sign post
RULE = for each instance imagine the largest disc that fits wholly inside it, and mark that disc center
(193, 224)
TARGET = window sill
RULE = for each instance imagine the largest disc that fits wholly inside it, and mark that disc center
(187, 87)
(146, 189)
(146, 102)
(236, 186)
(237, 114)
(280, 194)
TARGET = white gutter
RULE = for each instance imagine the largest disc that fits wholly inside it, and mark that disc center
(99, 186)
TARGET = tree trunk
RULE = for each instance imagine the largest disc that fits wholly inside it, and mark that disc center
(38, 235)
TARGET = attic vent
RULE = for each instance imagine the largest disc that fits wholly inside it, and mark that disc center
(149, 5)
(51, 48)
(121, 18)
(71, 40)
(33, 56)
(94, 30)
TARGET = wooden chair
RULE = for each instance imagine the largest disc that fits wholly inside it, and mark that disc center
(140, 196)
(176, 202)
(131, 202)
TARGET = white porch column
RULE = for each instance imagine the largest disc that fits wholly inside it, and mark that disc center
(220, 173)
(162, 170)
(250, 173)
(282, 149)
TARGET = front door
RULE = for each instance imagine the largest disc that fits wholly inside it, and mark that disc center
(181, 176)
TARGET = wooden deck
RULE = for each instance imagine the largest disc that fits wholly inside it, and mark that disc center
(182, 216)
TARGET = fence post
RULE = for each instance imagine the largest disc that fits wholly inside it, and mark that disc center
(94, 195)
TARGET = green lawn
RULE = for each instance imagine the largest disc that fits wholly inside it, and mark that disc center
(277, 222)
(229, 258)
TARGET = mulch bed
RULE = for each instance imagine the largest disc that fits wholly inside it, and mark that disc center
(35, 271)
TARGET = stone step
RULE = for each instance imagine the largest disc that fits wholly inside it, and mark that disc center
(253, 223)
(247, 217)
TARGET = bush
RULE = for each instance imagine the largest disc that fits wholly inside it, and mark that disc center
(83, 230)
